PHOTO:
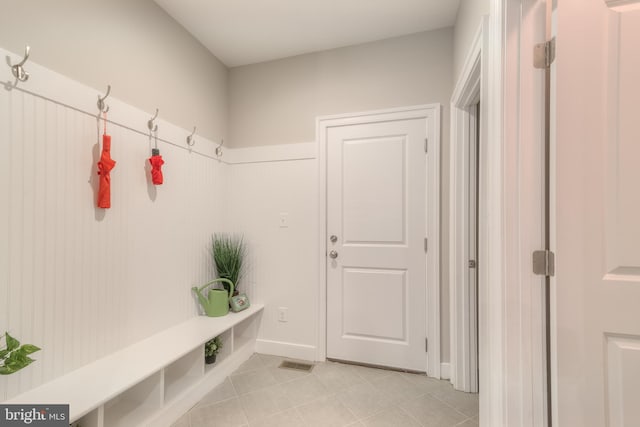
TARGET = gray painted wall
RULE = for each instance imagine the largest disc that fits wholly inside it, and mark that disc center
(147, 57)
(277, 102)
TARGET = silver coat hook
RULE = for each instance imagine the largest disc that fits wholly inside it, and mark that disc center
(153, 127)
(101, 104)
(190, 140)
(219, 148)
(18, 69)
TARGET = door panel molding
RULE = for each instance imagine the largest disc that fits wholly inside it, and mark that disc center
(432, 113)
(622, 4)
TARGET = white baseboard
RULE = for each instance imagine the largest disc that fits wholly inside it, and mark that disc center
(444, 371)
(286, 349)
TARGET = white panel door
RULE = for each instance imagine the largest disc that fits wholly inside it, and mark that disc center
(376, 267)
(597, 285)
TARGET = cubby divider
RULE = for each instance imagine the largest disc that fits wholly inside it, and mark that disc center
(182, 373)
(136, 404)
(245, 332)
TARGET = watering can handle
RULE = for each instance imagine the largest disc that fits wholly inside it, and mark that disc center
(219, 280)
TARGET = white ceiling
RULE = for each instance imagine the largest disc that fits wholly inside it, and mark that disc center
(241, 32)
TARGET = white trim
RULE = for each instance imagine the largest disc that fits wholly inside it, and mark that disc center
(286, 349)
(511, 321)
(462, 301)
(467, 84)
(270, 153)
(491, 297)
(432, 112)
(445, 371)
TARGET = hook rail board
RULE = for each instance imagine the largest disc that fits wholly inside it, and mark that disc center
(54, 87)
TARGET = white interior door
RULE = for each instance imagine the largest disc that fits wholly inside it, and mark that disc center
(597, 214)
(376, 263)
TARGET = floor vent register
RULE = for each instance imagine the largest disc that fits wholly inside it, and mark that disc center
(296, 366)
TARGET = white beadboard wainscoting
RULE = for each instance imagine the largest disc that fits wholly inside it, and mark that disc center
(82, 282)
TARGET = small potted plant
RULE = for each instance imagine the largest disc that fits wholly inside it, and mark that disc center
(211, 349)
(13, 356)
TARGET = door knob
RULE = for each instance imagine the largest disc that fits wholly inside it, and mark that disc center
(333, 254)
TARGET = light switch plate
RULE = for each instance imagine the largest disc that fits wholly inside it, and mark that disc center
(283, 315)
(284, 220)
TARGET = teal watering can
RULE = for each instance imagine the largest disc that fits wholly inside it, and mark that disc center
(217, 303)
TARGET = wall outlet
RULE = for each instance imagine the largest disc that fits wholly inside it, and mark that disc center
(283, 315)
(284, 220)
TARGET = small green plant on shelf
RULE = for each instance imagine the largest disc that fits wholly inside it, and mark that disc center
(211, 349)
(14, 356)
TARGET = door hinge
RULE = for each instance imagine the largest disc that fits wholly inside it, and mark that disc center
(544, 54)
(426, 145)
(426, 345)
(544, 263)
(426, 244)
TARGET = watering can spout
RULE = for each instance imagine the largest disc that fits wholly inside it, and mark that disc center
(217, 303)
(203, 301)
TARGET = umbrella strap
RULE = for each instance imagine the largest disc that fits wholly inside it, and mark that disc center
(105, 122)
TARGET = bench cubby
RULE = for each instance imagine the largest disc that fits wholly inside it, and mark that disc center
(156, 380)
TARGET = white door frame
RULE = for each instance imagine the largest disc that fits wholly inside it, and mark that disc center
(462, 302)
(432, 113)
(512, 348)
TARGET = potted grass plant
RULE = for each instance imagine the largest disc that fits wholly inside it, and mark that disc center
(229, 252)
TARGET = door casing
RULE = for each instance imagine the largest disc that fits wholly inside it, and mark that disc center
(511, 300)
(432, 113)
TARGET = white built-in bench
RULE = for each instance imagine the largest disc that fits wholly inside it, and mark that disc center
(154, 381)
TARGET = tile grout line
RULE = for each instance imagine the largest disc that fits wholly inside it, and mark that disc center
(451, 406)
(331, 393)
(410, 415)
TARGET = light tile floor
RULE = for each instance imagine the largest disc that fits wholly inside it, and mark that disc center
(259, 394)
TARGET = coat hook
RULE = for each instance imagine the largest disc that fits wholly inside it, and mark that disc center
(219, 148)
(18, 69)
(153, 127)
(190, 140)
(101, 104)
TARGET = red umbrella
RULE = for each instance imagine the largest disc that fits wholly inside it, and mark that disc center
(105, 165)
(156, 165)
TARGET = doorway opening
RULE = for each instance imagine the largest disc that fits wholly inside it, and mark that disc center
(468, 127)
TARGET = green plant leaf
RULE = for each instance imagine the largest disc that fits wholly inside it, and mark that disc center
(15, 364)
(29, 348)
(3, 353)
(12, 343)
(5, 370)
(17, 356)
